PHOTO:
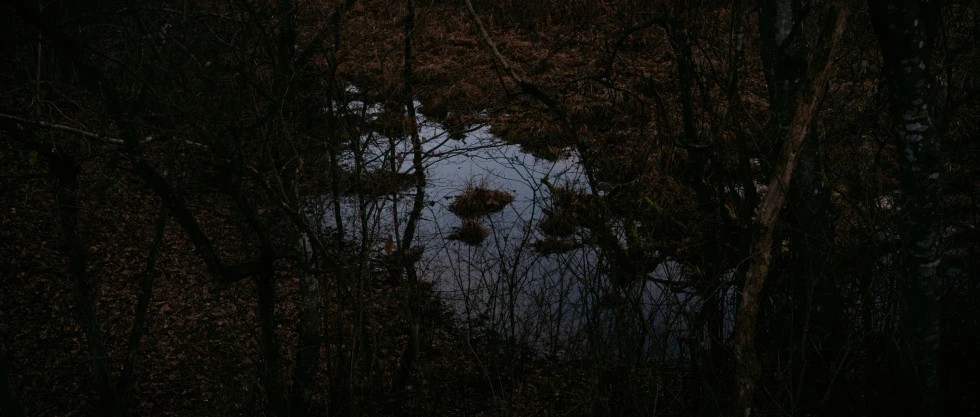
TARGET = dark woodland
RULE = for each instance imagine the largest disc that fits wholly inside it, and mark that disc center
(489, 208)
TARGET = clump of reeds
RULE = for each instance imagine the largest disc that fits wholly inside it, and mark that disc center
(471, 232)
(377, 183)
(570, 209)
(537, 135)
(479, 201)
(551, 246)
(558, 223)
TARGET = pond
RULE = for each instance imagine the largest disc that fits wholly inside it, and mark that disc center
(503, 284)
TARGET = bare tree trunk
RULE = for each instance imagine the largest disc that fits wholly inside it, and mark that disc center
(680, 41)
(66, 169)
(333, 127)
(143, 303)
(417, 155)
(272, 377)
(785, 66)
(712, 264)
(272, 374)
(9, 402)
(308, 351)
(784, 62)
(411, 350)
(333, 148)
(747, 366)
(905, 32)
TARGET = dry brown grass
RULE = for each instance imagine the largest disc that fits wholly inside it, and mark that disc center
(471, 232)
(479, 201)
(377, 183)
(551, 246)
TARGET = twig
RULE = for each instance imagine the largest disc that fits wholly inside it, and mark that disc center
(65, 128)
(83, 132)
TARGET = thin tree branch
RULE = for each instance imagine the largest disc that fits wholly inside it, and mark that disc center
(143, 303)
(66, 128)
(87, 134)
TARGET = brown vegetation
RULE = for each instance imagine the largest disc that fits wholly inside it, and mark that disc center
(478, 201)
(551, 246)
(471, 232)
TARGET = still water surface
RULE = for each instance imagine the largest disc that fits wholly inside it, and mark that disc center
(503, 284)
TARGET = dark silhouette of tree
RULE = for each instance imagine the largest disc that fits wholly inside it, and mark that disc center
(906, 34)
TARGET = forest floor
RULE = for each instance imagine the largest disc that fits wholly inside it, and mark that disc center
(201, 352)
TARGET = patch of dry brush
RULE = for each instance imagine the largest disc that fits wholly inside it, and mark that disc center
(479, 201)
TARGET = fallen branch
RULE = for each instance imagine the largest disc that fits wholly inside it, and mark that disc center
(65, 128)
(83, 132)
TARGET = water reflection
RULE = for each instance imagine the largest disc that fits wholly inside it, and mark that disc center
(503, 284)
